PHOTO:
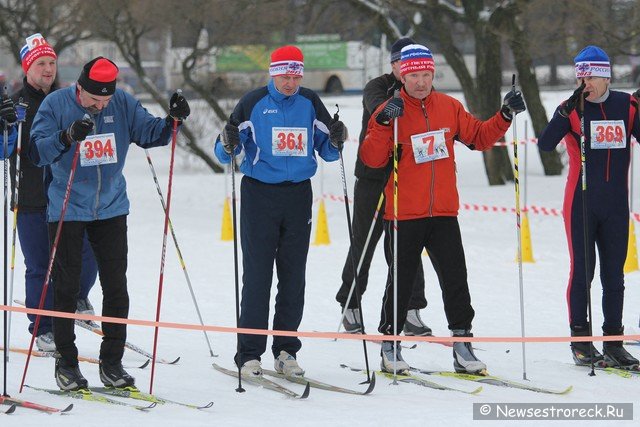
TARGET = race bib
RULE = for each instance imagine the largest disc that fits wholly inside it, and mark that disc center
(607, 134)
(429, 146)
(289, 142)
(35, 41)
(98, 150)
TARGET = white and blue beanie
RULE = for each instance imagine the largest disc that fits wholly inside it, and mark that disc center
(592, 62)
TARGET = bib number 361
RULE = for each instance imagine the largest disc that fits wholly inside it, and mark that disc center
(287, 141)
(98, 150)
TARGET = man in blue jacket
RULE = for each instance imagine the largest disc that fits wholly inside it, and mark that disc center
(97, 203)
(280, 127)
(609, 118)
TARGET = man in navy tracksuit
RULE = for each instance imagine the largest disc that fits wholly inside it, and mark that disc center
(98, 122)
(280, 127)
(610, 118)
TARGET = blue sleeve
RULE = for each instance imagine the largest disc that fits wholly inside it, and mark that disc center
(45, 147)
(147, 130)
(11, 141)
(218, 149)
(322, 124)
(555, 131)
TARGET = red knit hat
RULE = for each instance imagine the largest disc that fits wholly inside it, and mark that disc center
(35, 48)
(286, 60)
(98, 76)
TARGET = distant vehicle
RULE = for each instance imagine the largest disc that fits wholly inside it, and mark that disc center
(331, 66)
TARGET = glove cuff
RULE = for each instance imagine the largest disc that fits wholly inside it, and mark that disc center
(506, 113)
(169, 121)
(65, 139)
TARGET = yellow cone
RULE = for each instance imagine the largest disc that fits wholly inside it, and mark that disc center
(227, 225)
(525, 235)
(322, 230)
(631, 263)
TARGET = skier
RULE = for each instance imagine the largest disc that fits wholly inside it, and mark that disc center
(98, 203)
(427, 195)
(366, 194)
(610, 118)
(39, 66)
(280, 127)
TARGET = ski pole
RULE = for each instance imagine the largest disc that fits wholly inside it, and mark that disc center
(585, 227)
(361, 259)
(395, 243)
(15, 215)
(52, 256)
(5, 144)
(232, 170)
(174, 137)
(336, 117)
(178, 251)
(518, 229)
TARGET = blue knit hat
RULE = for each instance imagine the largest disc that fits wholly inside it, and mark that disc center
(592, 62)
(396, 48)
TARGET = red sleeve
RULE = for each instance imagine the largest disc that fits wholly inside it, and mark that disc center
(377, 146)
(481, 134)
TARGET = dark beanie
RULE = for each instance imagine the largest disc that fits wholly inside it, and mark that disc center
(397, 47)
(98, 76)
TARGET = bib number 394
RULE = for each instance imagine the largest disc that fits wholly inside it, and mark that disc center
(607, 134)
(429, 146)
(98, 150)
(289, 141)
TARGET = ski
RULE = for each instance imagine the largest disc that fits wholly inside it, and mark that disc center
(415, 379)
(492, 380)
(92, 326)
(38, 353)
(31, 405)
(321, 385)
(135, 393)
(86, 394)
(621, 372)
(266, 383)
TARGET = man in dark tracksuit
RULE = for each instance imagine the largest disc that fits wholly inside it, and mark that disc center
(280, 127)
(39, 65)
(366, 194)
(610, 118)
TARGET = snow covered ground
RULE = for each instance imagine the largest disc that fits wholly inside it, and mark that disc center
(490, 246)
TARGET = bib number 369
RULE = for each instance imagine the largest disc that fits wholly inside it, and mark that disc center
(606, 134)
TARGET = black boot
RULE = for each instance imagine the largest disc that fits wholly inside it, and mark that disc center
(615, 354)
(114, 375)
(582, 350)
(68, 376)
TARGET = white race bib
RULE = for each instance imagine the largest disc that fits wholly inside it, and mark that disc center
(607, 134)
(429, 146)
(98, 150)
(289, 141)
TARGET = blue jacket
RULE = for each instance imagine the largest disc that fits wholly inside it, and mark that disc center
(99, 191)
(12, 135)
(260, 114)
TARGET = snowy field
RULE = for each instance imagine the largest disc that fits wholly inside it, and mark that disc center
(490, 246)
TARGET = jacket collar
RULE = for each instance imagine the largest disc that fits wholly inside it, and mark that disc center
(36, 93)
(278, 96)
(415, 101)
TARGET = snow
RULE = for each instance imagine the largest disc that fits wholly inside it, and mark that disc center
(490, 246)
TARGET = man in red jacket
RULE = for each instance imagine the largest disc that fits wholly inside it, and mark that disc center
(428, 123)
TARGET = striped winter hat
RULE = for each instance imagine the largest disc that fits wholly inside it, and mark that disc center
(35, 48)
(592, 62)
(416, 57)
(286, 60)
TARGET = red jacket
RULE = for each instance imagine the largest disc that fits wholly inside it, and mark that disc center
(427, 189)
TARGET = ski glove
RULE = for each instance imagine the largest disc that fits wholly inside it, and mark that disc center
(230, 138)
(512, 104)
(393, 109)
(338, 134)
(179, 107)
(571, 103)
(8, 111)
(76, 132)
(636, 95)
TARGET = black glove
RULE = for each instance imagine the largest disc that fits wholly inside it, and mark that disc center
(393, 109)
(179, 107)
(512, 104)
(76, 132)
(636, 95)
(571, 103)
(230, 138)
(8, 110)
(338, 134)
